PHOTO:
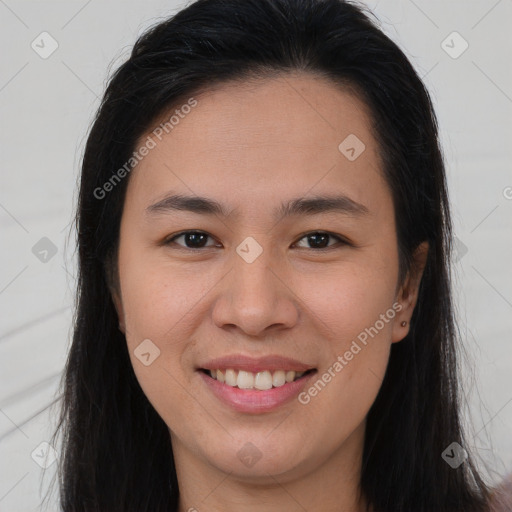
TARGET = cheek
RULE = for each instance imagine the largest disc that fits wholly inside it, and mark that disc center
(163, 303)
(355, 311)
(159, 305)
(160, 299)
(350, 299)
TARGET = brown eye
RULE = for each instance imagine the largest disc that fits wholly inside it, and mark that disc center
(320, 240)
(197, 240)
(192, 239)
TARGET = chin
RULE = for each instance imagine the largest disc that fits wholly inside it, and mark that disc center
(259, 458)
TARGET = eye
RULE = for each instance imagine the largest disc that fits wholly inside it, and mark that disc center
(193, 239)
(196, 240)
(319, 239)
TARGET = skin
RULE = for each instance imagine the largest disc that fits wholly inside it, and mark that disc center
(251, 147)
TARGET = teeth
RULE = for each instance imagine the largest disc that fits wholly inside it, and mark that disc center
(230, 377)
(261, 380)
(245, 380)
(278, 379)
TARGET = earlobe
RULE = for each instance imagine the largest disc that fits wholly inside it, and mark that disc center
(408, 293)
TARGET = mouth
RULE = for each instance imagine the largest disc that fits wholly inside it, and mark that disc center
(255, 392)
(261, 381)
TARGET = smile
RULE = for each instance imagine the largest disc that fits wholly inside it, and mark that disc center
(262, 380)
(239, 392)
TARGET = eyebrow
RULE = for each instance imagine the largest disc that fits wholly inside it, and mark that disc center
(298, 206)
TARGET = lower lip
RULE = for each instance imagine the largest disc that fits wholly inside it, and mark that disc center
(253, 400)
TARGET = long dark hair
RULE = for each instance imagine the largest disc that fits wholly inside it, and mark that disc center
(116, 452)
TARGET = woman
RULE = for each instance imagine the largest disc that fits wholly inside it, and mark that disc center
(264, 310)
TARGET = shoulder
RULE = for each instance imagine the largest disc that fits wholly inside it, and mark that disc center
(501, 497)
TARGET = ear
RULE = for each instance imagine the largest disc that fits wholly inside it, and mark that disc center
(118, 304)
(408, 293)
(112, 279)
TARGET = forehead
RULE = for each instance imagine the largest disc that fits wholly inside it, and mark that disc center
(310, 111)
(294, 132)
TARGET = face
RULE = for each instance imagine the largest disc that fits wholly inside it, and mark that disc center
(296, 271)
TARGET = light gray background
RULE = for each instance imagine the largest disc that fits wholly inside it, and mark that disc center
(47, 105)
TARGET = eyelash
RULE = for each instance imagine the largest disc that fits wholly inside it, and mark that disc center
(341, 240)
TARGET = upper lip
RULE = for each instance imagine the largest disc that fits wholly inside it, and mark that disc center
(256, 364)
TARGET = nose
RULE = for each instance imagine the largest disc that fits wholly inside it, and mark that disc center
(256, 298)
